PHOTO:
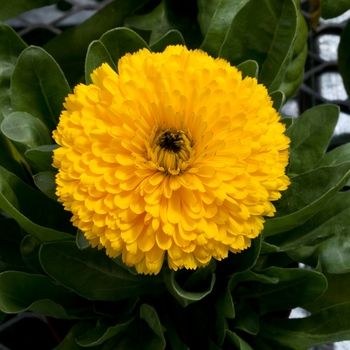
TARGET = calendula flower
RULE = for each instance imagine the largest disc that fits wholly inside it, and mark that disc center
(174, 157)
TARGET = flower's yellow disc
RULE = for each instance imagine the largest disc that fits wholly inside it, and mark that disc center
(175, 157)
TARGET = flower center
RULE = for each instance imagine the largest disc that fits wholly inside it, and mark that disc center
(170, 149)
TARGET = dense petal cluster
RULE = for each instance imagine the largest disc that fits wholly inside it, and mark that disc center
(175, 157)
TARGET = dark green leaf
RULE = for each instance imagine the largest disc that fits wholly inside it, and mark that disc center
(278, 99)
(92, 274)
(130, 269)
(295, 71)
(39, 86)
(40, 157)
(243, 261)
(202, 276)
(221, 327)
(35, 213)
(215, 21)
(224, 304)
(333, 219)
(81, 241)
(156, 341)
(287, 121)
(269, 41)
(338, 292)
(11, 46)
(14, 8)
(45, 181)
(333, 254)
(310, 136)
(237, 341)
(10, 240)
(104, 330)
(69, 48)
(120, 41)
(69, 342)
(327, 326)
(344, 56)
(21, 291)
(337, 156)
(170, 15)
(206, 11)
(173, 37)
(183, 297)
(172, 334)
(96, 55)
(330, 9)
(10, 159)
(246, 318)
(307, 194)
(24, 128)
(249, 69)
(296, 287)
(30, 253)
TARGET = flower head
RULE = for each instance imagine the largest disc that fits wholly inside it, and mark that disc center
(175, 154)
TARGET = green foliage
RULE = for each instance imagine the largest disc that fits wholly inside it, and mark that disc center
(241, 302)
(330, 9)
(11, 46)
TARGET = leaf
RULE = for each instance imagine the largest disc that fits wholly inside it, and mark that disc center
(11, 46)
(215, 22)
(30, 253)
(332, 219)
(183, 297)
(237, 341)
(105, 329)
(45, 181)
(81, 241)
(96, 55)
(333, 254)
(307, 194)
(120, 41)
(336, 293)
(24, 128)
(295, 71)
(157, 340)
(38, 86)
(172, 37)
(69, 342)
(10, 240)
(249, 69)
(221, 327)
(39, 295)
(10, 158)
(310, 136)
(243, 261)
(295, 288)
(269, 41)
(326, 326)
(278, 99)
(170, 15)
(40, 158)
(35, 213)
(287, 121)
(331, 9)
(337, 156)
(344, 56)
(12, 9)
(246, 318)
(69, 48)
(92, 274)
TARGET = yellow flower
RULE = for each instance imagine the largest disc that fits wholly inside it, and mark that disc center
(174, 154)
